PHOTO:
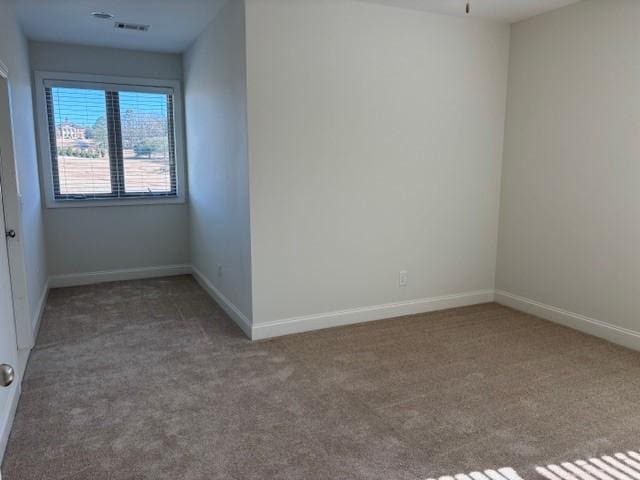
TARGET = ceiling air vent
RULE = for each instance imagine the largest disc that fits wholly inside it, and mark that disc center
(132, 26)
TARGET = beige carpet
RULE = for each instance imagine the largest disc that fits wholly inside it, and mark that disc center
(149, 380)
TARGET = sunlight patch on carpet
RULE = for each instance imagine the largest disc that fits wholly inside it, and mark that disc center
(500, 474)
(621, 466)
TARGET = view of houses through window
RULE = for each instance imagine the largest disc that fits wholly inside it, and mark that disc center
(83, 165)
(111, 143)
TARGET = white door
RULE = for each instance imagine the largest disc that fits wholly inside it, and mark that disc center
(8, 348)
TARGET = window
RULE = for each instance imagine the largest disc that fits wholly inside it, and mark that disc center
(109, 141)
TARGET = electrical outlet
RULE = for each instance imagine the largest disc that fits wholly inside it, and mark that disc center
(403, 278)
(219, 270)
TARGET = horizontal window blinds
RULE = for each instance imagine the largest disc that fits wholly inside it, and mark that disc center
(111, 143)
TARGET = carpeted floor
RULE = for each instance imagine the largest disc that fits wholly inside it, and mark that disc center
(149, 380)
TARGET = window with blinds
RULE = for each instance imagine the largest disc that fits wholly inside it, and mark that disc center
(111, 142)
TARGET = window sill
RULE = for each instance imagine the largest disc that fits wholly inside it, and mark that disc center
(114, 202)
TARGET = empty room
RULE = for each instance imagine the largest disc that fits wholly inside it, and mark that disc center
(320, 239)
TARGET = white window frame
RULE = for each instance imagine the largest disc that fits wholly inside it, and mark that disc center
(44, 79)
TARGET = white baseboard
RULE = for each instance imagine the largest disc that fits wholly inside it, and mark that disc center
(621, 336)
(306, 323)
(23, 360)
(366, 314)
(7, 422)
(236, 315)
(37, 319)
(76, 279)
(23, 353)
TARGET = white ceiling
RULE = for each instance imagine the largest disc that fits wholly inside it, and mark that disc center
(176, 23)
(502, 10)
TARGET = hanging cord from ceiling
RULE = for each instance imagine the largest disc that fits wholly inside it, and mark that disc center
(468, 9)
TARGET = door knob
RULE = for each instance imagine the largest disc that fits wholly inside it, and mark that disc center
(11, 233)
(7, 375)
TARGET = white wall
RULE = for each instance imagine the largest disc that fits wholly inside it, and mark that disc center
(82, 240)
(33, 274)
(215, 98)
(569, 229)
(376, 140)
